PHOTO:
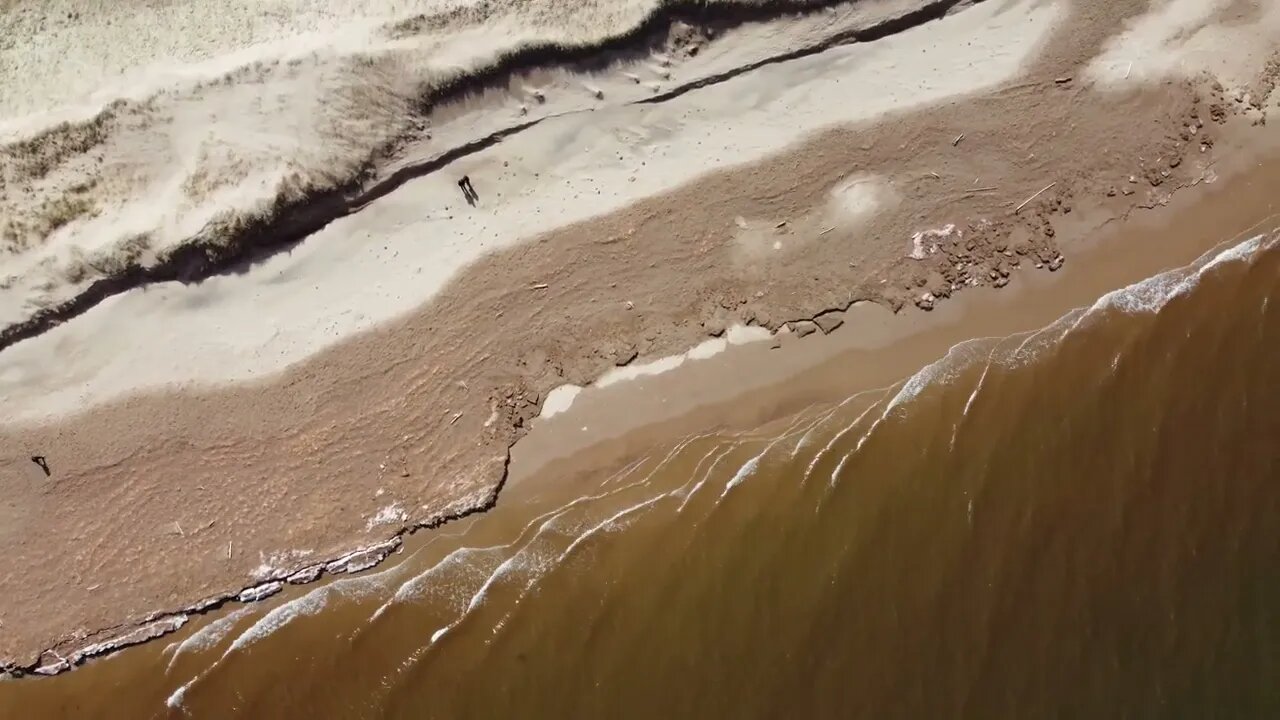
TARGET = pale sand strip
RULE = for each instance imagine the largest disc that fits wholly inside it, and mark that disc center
(399, 252)
(385, 420)
(208, 132)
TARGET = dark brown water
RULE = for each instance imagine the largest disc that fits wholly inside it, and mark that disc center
(1082, 521)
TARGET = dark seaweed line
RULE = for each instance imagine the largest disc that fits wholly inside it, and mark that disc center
(290, 223)
(41, 668)
(925, 14)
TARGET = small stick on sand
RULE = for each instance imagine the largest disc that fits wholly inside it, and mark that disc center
(824, 232)
(179, 528)
(957, 140)
(989, 188)
(455, 418)
(936, 176)
(539, 286)
(228, 550)
(1128, 70)
(1033, 197)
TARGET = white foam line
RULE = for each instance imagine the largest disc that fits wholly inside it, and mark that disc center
(955, 429)
(539, 570)
(724, 452)
(309, 604)
(174, 701)
(609, 522)
(749, 467)
(479, 595)
(930, 373)
(543, 522)
(410, 589)
(516, 561)
(978, 388)
(746, 470)
(626, 471)
(209, 635)
(909, 390)
(1152, 294)
(840, 466)
(865, 436)
(831, 482)
(1146, 296)
(814, 423)
(807, 437)
(513, 560)
(836, 438)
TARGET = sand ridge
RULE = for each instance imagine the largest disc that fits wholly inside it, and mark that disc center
(420, 413)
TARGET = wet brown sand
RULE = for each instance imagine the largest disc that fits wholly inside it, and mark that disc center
(1081, 519)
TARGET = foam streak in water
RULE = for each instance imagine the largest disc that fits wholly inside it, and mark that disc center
(749, 467)
(845, 431)
(977, 388)
(309, 604)
(702, 479)
(1152, 294)
(479, 596)
(209, 635)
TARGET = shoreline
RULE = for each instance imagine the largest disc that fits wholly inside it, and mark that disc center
(776, 379)
(513, 402)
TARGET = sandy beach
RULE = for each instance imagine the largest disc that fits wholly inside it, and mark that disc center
(729, 183)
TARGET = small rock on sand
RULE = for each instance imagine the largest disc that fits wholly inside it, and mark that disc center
(803, 328)
(828, 322)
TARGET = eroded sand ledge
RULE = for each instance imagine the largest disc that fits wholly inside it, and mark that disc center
(307, 459)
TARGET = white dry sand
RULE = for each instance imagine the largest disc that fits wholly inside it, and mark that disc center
(398, 252)
(208, 114)
(561, 398)
(1183, 38)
